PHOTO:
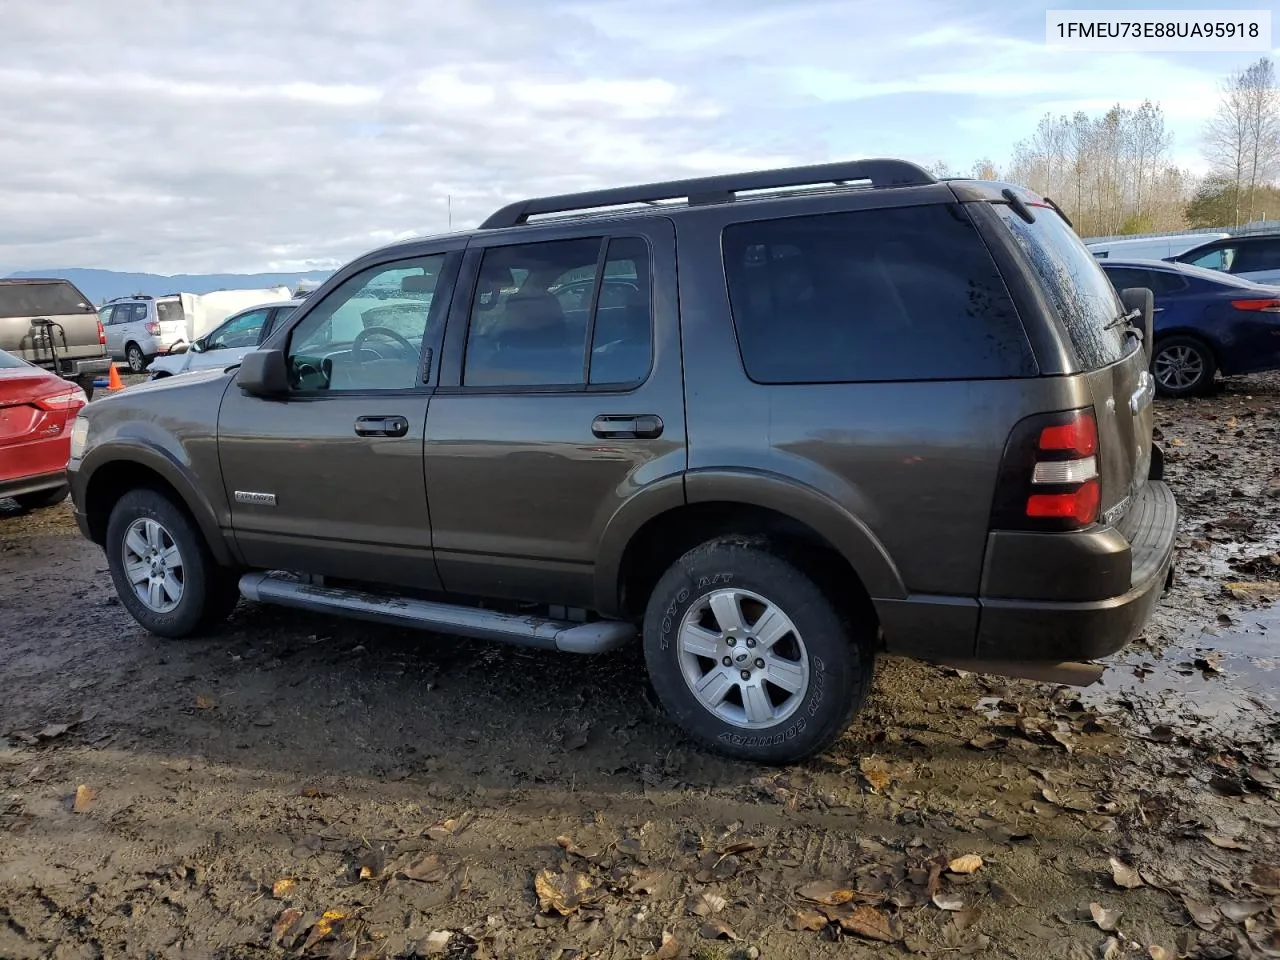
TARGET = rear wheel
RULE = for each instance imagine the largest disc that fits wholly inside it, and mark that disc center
(1182, 366)
(749, 657)
(42, 498)
(136, 358)
(162, 569)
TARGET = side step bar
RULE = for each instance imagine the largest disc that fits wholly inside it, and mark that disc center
(598, 637)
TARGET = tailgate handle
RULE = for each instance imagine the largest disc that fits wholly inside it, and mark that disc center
(1142, 396)
(381, 426)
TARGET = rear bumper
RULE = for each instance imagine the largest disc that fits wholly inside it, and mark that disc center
(17, 486)
(91, 368)
(1050, 597)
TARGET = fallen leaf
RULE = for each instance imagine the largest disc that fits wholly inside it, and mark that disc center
(84, 798)
(1226, 843)
(430, 869)
(964, 919)
(1265, 878)
(825, 891)
(314, 793)
(283, 887)
(1123, 875)
(205, 703)
(946, 901)
(1237, 910)
(324, 928)
(1212, 662)
(1157, 952)
(646, 882)
(870, 923)
(1063, 740)
(807, 920)
(988, 741)
(370, 864)
(669, 950)
(451, 827)
(284, 923)
(969, 863)
(1204, 914)
(563, 893)
(738, 846)
(1111, 949)
(436, 942)
(977, 944)
(1051, 796)
(1104, 918)
(1254, 592)
(876, 773)
(715, 930)
(706, 904)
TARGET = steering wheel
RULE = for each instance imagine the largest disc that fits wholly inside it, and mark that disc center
(357, 345)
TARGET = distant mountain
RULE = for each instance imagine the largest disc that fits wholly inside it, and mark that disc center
(100, 285)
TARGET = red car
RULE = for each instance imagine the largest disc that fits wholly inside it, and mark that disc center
(37, 411)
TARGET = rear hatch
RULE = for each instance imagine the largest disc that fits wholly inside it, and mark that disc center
(72, 333)
(172, 320)
(1111, 357)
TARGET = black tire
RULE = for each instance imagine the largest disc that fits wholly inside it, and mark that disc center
(1182, 366)
(136, 359)
(840, 656)
(42, 498)
(209, 592)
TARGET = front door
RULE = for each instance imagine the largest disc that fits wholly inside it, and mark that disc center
(328, 479)
(558, 403)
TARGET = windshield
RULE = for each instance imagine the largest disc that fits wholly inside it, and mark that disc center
(56, 298)
(1084, 297)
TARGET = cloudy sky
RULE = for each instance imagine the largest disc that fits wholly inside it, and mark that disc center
(240, 135)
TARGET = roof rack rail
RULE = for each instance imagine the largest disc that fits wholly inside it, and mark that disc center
(698, 191)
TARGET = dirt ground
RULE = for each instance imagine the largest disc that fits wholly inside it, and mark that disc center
(304, 786)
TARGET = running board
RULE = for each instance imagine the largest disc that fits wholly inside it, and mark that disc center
(1070, 673)
(600, 636)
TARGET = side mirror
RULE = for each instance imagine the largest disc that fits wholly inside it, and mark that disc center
(197, 346)
(1142, 300)
(263, 373)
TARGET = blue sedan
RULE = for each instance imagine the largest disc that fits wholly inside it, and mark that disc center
(1206, 322)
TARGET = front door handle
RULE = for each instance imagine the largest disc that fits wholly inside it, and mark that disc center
(381, 426)
(647, 426)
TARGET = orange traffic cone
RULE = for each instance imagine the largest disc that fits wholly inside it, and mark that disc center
(113, 380)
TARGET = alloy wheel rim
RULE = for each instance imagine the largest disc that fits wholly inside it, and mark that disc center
(743, 658)
(135, 360)
(1178, 367)
(153, 565)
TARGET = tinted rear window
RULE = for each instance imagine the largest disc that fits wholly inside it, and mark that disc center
(1084, 297)
(168, 310)
(55, 299)
(909, 293)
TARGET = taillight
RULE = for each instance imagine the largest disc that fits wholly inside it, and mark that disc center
(1265, 306)
(73, 399)
(153, 328)
(102, 335)
(1049, 475)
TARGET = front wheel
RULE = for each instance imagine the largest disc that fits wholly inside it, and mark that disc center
(162, 569)
(750, 657)
(1182, 367)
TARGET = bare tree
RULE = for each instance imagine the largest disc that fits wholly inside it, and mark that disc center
(1242, 140)
(984, 169)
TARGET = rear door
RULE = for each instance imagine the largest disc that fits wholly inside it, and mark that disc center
(1111, 358)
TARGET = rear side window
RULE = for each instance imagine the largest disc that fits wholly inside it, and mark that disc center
(1086, 301)
(879, 295)
(1259, 255)
(56, 299)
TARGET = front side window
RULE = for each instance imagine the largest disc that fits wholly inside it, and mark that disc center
(241, 331)
(367, 334)
(539, 305)
(909, 293)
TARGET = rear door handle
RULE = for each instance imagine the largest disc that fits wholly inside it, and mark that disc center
(381, 426)
(646, 426)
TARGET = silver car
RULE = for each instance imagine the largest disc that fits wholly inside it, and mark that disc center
(141, 327)
(226, 343)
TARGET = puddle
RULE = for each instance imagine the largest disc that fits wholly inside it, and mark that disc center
(1226, 677)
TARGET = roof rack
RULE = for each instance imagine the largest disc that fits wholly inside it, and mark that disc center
(721, 189)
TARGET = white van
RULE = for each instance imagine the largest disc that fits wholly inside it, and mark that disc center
(1151, 248)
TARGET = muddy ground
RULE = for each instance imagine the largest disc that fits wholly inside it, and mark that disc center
(303, 786)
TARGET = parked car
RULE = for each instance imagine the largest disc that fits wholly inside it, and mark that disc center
(1249, 258)
(227, 342)
(142, 327)
(1205, 323)
(1150, 248)
(37, 410)
(53, 325)
(869, 412)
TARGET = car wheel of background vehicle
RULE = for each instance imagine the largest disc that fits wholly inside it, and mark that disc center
(137, 362)
(42, 498)
(160, 375)
(1182, 366)
(162, 568)
(749, 657)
